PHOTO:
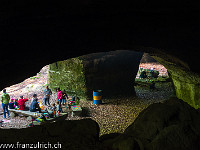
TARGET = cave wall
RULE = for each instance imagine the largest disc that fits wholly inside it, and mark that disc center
(146, 58)
(113, 72)
(186, 82)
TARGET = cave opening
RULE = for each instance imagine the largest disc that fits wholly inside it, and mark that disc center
(107, 70)
(35, 34)
(152, 81)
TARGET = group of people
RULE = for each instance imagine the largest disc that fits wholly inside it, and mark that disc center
(34, 106)
(61, 96)
(152, 73)
(18, 104)
(61, 99)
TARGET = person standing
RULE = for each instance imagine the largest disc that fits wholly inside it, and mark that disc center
(47, 92)
(59, 95)
(64, 96)
(5, 98)
(143, 74)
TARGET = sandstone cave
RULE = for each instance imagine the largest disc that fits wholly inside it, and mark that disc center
(80, 76)
(32, 38)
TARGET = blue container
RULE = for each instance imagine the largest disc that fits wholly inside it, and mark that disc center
(97, 95)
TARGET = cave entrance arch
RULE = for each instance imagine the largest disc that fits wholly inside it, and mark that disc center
(186, 82)
(110, 58)
(113, 72)
(156, 85)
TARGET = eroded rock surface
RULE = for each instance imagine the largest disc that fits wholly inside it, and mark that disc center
(186, 82)
(170, 125)
(113, 72)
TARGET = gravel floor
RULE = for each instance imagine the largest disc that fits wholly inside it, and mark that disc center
(114, 115)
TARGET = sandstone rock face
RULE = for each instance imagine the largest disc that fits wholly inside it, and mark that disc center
(146, 58)
(185, 81)
(171, 125)
(113, 72)
(32, 87)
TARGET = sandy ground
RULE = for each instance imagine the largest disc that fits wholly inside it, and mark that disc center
(114, 115)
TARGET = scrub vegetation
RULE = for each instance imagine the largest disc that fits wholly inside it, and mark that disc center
(68, 75)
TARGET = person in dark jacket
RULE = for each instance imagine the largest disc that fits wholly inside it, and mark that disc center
(11, 104)
(34, 105)
(47, 92)
(64, 96)
(143, 74)
(15, 103)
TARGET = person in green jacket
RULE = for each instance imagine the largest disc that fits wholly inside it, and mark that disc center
(5, 98)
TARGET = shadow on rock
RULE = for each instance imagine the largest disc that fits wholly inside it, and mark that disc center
(173, 125)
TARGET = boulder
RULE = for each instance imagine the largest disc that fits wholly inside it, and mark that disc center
(170, 125)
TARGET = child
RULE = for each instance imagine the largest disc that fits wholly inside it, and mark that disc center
(15, 103)
(11, 104)
(77, 100)
(74, 101)
(53, 107)
(64, 96)
(58, 107)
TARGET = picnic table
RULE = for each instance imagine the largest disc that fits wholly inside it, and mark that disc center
(76, 110)
(36, 114)
(23, 112)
